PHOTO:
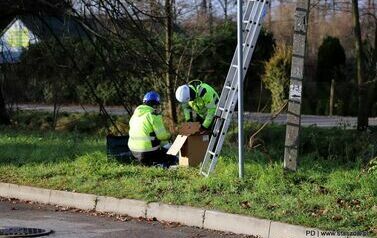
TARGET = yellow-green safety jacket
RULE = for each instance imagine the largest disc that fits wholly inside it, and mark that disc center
(147, 130)
(204, 104)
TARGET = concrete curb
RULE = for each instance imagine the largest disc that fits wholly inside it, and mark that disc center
(133, 208)
(215, 220)
(4, 190)
(70, 199)
(282, 230)
(29, 193)
(182, 214)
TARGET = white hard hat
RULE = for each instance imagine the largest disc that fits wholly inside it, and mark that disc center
(183, 93)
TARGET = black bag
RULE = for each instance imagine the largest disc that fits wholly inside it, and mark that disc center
(117, 147)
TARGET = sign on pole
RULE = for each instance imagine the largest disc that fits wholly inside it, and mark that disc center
(295, 89)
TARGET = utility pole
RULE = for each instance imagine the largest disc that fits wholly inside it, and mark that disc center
(292, 141)
(240, 88)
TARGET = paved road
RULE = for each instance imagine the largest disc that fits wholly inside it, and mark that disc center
(81, 225)
(307, 120)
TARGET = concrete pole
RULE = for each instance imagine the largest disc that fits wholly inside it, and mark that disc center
(292, 141)
(240, 89)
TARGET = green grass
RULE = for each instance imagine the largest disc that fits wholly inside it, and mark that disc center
(332, 192)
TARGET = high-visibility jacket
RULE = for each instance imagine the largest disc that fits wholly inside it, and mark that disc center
(204, 104)
(147, 131)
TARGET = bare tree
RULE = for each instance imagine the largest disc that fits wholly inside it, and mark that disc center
(210, 17)
(225, 6)
(169, 61)
(362, 116)
(4, 116)
(203, 7)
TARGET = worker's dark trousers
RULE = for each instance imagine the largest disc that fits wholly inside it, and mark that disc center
(155, 157)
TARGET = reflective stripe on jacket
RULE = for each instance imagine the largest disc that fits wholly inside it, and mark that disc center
(147, 130)
(204, 104)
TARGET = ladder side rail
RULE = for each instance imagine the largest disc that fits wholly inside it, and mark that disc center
(225, 91)
(249, 8)
(222, 124)
(248, 58)
(252, 12)
(219, 144)
(231, 72)
(256, 32)
(222, 139)
(251, 38)
(234, 101)
(248, 19)
(211, 155)
(232, 77)
(248, 25)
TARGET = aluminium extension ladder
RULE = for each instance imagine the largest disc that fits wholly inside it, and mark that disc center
(252, 21)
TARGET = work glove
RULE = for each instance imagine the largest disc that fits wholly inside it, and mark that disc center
(203, 129)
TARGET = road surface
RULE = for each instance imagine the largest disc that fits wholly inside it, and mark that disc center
(67, 223)
(306, 120)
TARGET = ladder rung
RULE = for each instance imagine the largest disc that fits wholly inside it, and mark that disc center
(223, 109)
(205, 174)
(251, 22)
(236, 66)
(212, 153)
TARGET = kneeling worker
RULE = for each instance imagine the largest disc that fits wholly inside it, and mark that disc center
(200, 98)
(148, 134)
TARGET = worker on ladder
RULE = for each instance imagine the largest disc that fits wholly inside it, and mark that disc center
(199, 98)
(148, 136)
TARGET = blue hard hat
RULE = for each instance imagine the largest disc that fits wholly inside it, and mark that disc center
(151, 98)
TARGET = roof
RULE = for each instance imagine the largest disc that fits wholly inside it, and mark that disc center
(51, 26)
(40, 28)
(48, 26)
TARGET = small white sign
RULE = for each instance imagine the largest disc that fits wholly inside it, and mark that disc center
(295, 92)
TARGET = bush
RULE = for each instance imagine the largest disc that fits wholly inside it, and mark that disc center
(277, 74)
(338, 144)
(335, 143)
(372, 166)
(88, 123)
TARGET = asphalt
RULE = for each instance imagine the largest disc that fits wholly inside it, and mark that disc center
(306, 120)
(75, 223)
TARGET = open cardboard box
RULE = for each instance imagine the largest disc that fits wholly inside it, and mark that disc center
(190, 144)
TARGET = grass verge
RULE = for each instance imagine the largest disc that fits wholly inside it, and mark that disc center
(335, 192)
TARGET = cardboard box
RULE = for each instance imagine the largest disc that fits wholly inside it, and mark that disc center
(190, 145)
